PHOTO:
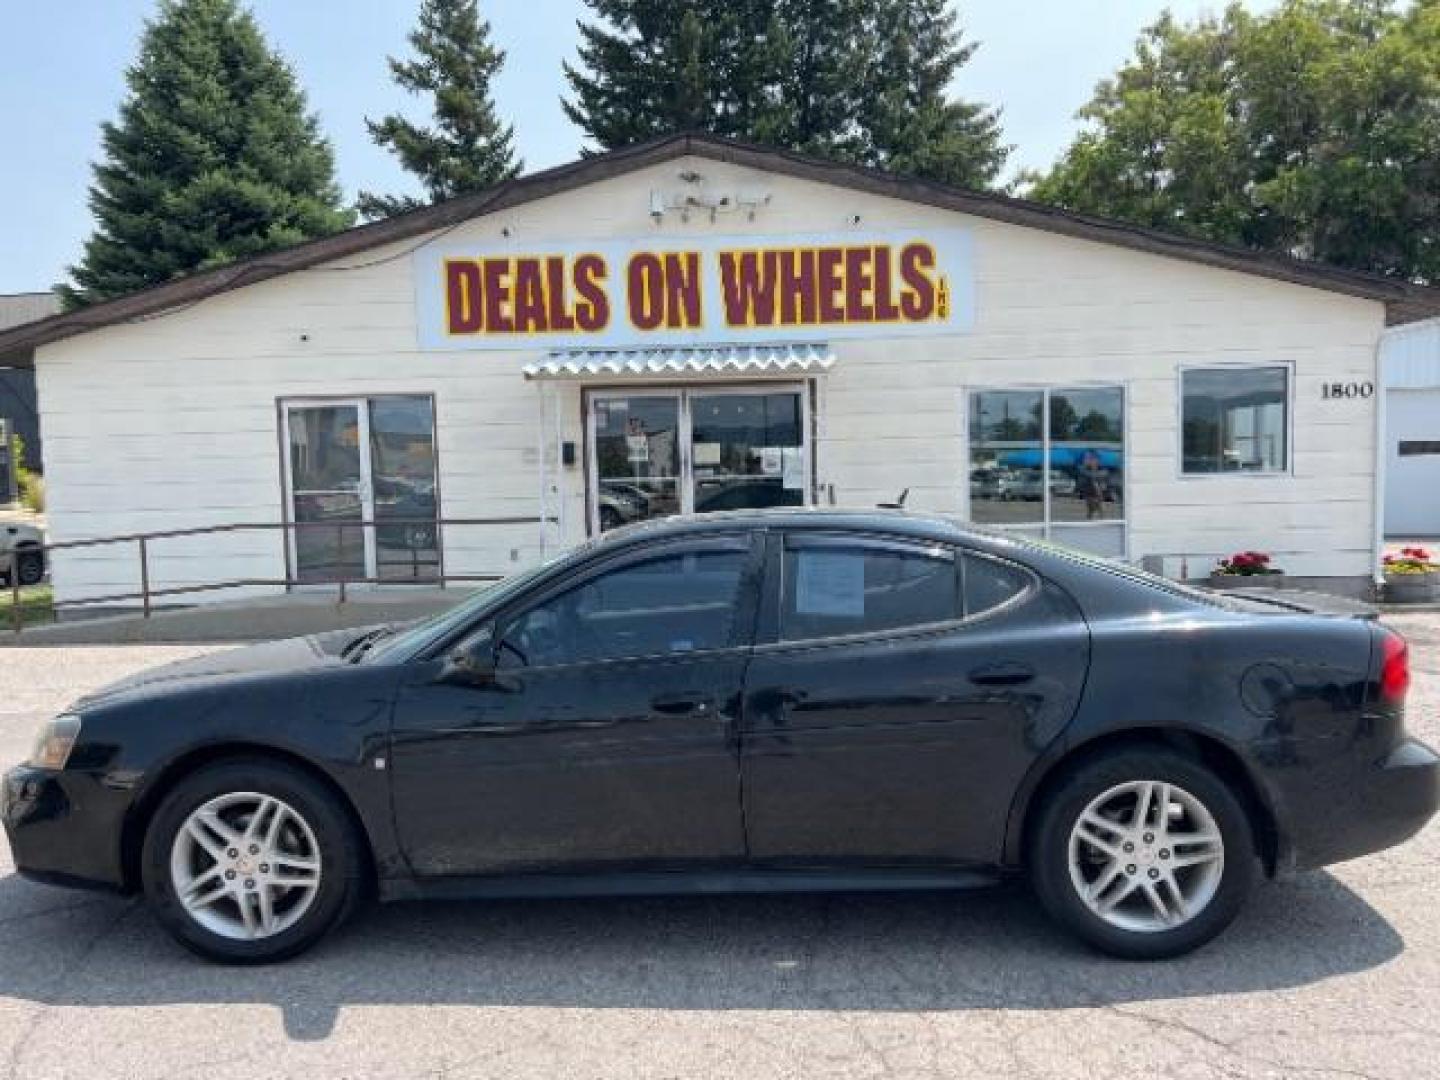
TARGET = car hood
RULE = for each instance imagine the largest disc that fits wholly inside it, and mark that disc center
(270, 658)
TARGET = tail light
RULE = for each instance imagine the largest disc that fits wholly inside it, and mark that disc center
(1394, 667)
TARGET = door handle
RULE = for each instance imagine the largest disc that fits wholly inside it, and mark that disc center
(1005, 673)
(680, 704)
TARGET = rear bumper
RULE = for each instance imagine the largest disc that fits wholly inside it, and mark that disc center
(64, 828)
(1372, 809)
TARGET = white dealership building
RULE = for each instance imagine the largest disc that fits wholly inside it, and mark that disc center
(695, 324)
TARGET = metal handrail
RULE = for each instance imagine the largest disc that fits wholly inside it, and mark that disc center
(147, 594)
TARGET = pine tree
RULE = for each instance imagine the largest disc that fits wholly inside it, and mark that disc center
(468, 149)
(653, 67)
(213, 157)
(915, 127)
(863, 81)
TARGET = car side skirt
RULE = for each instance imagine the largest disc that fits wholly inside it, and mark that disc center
(684, 883)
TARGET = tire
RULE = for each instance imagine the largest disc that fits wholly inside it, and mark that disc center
(610, 518)
(30, 565)
(1134, 928)
(317, 830)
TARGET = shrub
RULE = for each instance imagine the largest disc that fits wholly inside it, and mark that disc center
(1411, 560)
(1247, 564)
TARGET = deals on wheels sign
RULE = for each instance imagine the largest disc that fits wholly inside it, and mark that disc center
(657, 292)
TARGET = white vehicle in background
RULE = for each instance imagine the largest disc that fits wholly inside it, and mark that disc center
(22, 553)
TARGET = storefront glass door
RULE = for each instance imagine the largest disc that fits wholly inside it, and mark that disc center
(329, 486)
(660, 452)
(356, 462)
(747, 450)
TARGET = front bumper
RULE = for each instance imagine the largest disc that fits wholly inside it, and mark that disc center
(1366, 810)
(64, 827)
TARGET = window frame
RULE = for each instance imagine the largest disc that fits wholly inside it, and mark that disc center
(749, 543)
(1287, 366)
(1044, 528)
(769, 624)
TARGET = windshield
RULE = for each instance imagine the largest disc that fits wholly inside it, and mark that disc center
(417, 637)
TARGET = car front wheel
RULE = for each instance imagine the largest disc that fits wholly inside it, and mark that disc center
(1144, 854)
(251, 862)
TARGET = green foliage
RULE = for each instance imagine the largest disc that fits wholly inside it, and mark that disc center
(213, 157)
(863, 81)
(1313, 130)
(29, 482)
(468, 149)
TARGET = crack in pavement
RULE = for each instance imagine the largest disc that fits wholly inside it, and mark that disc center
(43, 1008)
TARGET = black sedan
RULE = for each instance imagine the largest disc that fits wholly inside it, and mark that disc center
(785, 700)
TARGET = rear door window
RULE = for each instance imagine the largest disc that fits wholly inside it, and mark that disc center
(988, 583)
(839, 586)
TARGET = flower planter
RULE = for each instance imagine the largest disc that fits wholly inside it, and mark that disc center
(1222, 582)
(1412, 588)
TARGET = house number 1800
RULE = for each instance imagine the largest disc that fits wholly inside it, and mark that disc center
(1335, 391)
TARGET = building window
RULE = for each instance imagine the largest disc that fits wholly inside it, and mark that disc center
(1051, 462)
(361, 488)
(1235, 420)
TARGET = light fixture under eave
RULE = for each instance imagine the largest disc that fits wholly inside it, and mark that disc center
(715, 203)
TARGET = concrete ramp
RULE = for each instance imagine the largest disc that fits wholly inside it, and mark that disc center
(244, 620)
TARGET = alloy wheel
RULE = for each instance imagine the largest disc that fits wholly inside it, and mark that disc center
(245, 866)
(1146, 856)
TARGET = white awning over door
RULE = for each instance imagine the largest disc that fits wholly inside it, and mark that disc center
(699, 362)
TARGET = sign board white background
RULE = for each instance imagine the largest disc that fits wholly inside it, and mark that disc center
(953, 265)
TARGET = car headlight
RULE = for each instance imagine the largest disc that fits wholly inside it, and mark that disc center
(57, 739)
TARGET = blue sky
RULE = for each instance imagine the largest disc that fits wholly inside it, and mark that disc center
(62, 66)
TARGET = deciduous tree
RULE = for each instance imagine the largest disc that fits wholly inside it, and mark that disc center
(1312, 130)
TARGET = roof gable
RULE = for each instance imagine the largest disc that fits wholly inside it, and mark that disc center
(1404, 301)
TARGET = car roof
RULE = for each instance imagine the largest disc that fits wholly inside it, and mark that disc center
(906, 522)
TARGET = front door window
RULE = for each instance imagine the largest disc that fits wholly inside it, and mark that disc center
(662, 452)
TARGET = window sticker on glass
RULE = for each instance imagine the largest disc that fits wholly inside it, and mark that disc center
(830, 583)
(792, 468)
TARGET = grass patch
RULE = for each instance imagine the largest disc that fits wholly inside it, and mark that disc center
(37, 605)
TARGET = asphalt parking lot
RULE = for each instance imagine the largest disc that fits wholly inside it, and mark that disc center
(1336, 974)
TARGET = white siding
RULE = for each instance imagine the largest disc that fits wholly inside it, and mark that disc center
(172, 422)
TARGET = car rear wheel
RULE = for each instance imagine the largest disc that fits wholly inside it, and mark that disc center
(1144, 854)
(251, 861)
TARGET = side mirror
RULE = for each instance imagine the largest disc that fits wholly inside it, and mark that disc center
(472, 664)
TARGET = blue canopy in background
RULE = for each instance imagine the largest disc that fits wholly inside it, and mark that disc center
(1060, 456)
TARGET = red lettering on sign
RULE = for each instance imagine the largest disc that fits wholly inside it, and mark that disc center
(498, 318)
(886, 309)
(858, 284)
(917, 302)
(555, 293)
(529, 297)
(682, 290)
(747, 280)
(646, 291)
(592, 313)
(462, 296)
(797, 287)
(827, 266)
